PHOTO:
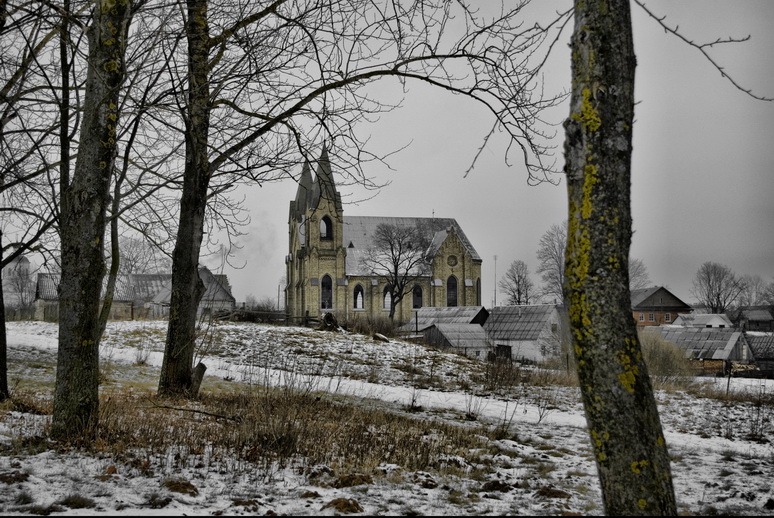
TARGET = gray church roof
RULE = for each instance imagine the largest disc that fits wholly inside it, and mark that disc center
(359, 231)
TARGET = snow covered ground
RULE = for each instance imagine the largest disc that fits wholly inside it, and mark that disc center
(722, 453)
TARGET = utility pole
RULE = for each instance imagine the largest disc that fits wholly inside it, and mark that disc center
(495, 282)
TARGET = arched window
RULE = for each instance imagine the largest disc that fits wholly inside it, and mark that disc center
(387, 297)
(478, 292)
(416, 296)
(326, 228)
(326, 293)
(451, 291)
(359, 297)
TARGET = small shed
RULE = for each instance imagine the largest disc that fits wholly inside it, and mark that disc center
(467, 339)
(429, 316)
(762, 347)
(527, 332)
(713, 350)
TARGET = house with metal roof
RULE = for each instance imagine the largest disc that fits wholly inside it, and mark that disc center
(656, 305)
(135, 295)
(326, 266)
(754, 318)
(217, 296)
(718, 320)
(526, 333)
(466, 339)
(762, 347)
(712, 350)
(430, 316)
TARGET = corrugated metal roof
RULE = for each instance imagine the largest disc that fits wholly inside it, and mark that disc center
(761, 345)
(428, 316)
(518, 322)
(147, 285)
(47, 284)
(463, 335)
(702, 319)
(701, 342)
(215, 289)
(758, 315)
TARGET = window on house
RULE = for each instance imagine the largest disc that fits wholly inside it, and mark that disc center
(478, 292)
(416, 297)
(642, 317)
(667, 317)
(326, 228)
(359, 296)
(387, 297)
(326, 293)
(651, 317)
(451, 291)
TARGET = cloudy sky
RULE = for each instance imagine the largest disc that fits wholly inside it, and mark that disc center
(703, 164)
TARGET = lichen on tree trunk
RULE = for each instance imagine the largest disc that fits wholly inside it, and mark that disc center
(82, 227)
(621, 412)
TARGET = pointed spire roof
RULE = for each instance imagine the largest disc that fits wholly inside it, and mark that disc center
(324, 185)
(303, 193)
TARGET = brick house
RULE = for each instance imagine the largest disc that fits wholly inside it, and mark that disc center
(655, 306)
(325, 270)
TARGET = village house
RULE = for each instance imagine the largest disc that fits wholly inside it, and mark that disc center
(656, 305)
(753, 318)
(326, 270)
(138, 296)
(531, 333)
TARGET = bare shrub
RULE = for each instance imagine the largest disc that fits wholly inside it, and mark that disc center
(667, 364)
(267, 429)
(370, 325)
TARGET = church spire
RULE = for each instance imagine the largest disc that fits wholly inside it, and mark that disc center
(325, 186)
(303, 193)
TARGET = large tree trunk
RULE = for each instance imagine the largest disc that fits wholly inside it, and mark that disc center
(83, 208)
(621, 412)
(187, 288)
(4, 394)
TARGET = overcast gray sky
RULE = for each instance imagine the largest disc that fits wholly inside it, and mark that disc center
(703, 164)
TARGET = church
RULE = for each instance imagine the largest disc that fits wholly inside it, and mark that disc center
(326, 272)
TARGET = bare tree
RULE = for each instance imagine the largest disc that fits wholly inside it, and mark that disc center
(623, 422)
(638, 274)
(397, 255)
(137, 255)
(768, 293)
(550, 256)
(83, 216)
(517, 284)
(268, 83)
(754, 292)
(716, 286)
